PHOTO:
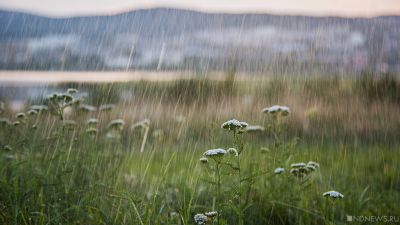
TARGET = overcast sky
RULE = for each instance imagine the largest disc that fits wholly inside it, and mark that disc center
(305, 7)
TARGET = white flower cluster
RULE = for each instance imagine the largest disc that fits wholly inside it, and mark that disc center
(92, 121)
(141, 124)
(91, 131)
(32, 112)
(106, 107)
(301, 169)
(87, 108)
(200, 219)
(279, 170)
(20, 115)
(206, 218)
(333, 194)
(211, 214)
(204, 159)
(277, 110)
(57, 102)
(117, 124)
(233, 151)
(215, 152)
(72, 91)
(234, 124)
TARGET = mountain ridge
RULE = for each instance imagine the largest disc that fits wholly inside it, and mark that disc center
(198, 40)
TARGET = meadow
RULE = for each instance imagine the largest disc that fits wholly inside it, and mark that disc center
(137, 152)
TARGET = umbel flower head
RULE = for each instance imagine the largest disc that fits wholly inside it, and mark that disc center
(211, 214)
(277, 110)
(92, 121)
(141, 124)
(279, 170)
(233, 151)
(117, 124)
(234, 124)
(215, 152)
(32, 112)
(298, 165)
(91, 131)
(200, 219)
(301, 169)
(72, 91)
(106, 107)
(5, 122)
(20, 115)
(87, 108)
(333, 195)
(204, 159)
(206, 218)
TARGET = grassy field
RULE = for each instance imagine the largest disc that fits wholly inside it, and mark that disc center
(139, 162)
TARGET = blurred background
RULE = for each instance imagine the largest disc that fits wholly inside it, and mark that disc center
(336, 63)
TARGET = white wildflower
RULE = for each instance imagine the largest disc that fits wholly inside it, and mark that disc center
(116, 124)
(200, 219)
(204, 159)
(20, 115)
(92, 121)
(311, 168)
(141, 124)
(215, 152)
(5, 122)
(72, 91)
(314, 164)
(91, 131)
(298, 165)
(211, 214)
(87, 108)
(32, 112)
(66, 97)
(233, 151)
(333, 194)
(285, 110)
(275, 109)
(106, 107)
(279, 170)
(233, 124)
(16, 123)
(272, 110)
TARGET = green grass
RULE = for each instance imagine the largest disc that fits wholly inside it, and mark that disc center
(107, 184)
(54, 175)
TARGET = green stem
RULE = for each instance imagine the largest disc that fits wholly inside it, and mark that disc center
(235, 139)
(218, 191)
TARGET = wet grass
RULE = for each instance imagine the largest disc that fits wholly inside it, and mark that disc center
(63, 174)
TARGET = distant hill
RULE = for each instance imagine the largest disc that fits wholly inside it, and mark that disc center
(166, 38)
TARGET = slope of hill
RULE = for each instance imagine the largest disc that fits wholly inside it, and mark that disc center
(163, 38)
